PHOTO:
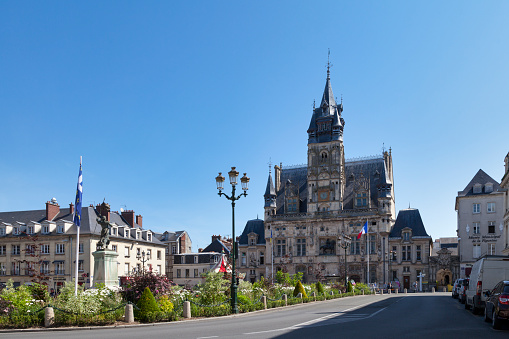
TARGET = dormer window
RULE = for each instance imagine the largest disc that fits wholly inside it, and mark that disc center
(45, 229)
(15, 230)
(406, 236)
(361, 199)
(488, 188)
(477, 188)
(60, 229)
(2, 231)
(149, 237)
(138, 235)
(30, 230)
(126, 233)
(291, 204)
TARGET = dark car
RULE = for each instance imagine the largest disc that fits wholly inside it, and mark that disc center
(497, 304)
(462, 291)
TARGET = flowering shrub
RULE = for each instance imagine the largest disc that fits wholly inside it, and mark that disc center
(214, 290)
(136, 284)
(19, 308)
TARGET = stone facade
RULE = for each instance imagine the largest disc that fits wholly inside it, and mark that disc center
(409, 248)
(505, 186)
(176, 243)
(252, 251)
(43, 243)
(480, 212)
(310, 208)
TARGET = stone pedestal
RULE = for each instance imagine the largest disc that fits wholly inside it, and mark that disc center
(105, 268)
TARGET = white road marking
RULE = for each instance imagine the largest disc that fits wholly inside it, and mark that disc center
(343, 318)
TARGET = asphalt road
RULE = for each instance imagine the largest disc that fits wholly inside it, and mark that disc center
(389, 316)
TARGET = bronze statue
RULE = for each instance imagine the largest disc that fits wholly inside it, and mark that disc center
(105, 233)
(104, 241)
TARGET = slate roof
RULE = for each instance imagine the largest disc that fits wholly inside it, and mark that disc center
(216, 246)
(168, 236)
(480, 178)
(89, 223)
(329, 112)
(410, 218)
(253, 226)
(372, 169)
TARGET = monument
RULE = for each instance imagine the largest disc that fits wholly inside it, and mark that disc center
(105, 261)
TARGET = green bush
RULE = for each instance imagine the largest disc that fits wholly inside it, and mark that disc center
(164, 304)
(147, 310)
(299, 289)
(319, 288)
(349, 287)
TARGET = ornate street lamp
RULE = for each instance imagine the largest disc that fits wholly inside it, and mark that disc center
(141, 257)
(233, 175)
(345, 243)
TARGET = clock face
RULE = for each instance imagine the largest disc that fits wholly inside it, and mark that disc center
(323, 195)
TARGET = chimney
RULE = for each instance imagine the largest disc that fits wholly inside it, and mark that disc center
(128, 217)
(277, 177)
(200, 250)
(104, 210)
(139, 220)
(71, 208)
(52, 209)
(183, 243)
(216, 237)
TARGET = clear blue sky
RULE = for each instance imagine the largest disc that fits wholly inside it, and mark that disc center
(158, 97)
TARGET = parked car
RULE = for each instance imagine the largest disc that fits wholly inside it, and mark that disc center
(486, 273)
(462, 291)
(456, 288)
(497, 304)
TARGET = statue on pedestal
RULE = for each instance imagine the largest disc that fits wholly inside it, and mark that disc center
(104, 241)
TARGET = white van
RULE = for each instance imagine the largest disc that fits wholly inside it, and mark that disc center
(488, 271)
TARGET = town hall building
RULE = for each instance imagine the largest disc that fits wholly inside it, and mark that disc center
(314, 213)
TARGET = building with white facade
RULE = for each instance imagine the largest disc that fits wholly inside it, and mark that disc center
(480, 213)
(41, 244)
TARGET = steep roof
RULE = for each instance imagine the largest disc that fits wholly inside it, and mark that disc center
(216, 246)
(270, 190)
(410, 218)
(480, 178)
(89, 223)
(371, 171)
(253, 226)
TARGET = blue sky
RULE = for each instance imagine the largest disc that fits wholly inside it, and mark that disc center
(158, 97)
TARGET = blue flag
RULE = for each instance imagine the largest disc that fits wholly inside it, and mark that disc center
(79, 195)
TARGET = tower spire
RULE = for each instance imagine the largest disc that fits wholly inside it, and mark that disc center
(329, 65)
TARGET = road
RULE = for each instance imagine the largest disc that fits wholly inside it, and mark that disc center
(388, 316)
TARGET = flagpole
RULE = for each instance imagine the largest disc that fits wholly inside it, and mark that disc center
(77, 222)
(367, 236)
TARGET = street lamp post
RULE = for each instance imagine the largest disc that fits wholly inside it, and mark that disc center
(233, 174)
(141, 257)
(391, 257)
(383, 251)
(345, 243)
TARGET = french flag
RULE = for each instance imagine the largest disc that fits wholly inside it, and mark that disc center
(364, 230)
